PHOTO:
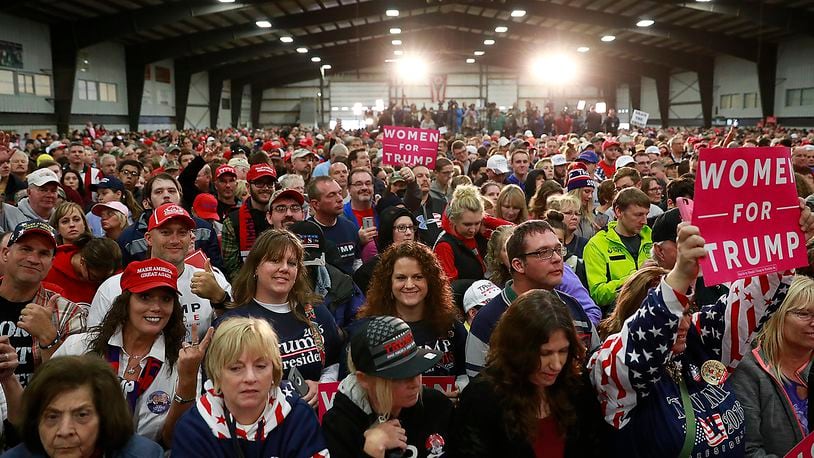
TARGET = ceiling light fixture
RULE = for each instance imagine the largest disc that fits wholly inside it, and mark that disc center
(398, 52)
(608, 38)
(286, 39)
(263, 24)
(501, 29)
(470, 61)
(518, 13)
(489, 42)
(316, 59)
(645, 23)
(302, 50)
(326, 67)
(226, 1)
(583, 49)
(391, 13)
(396, 42)
(395, 31)
(479, 53)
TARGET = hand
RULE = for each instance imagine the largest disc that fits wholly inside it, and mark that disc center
(407, 174)
(36, 320)
(311, 396)
(690, 250)
(383, 437)
(191, 354)
(806, 220)
(8, 359)
(205, 285)
(367, 235)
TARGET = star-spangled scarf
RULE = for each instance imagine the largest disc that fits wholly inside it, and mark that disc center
(151, 368)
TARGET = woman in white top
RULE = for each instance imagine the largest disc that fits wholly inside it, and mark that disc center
(142, 338)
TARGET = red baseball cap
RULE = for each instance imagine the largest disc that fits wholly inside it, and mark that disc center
(140, 276)
(259, 171)
(167, 212)
(610, 143)
(224, 169)
(206, 206)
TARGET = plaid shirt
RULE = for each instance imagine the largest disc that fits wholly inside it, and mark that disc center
(232, 261)
(68, 318)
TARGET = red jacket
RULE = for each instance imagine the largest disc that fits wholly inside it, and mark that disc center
(62, 273)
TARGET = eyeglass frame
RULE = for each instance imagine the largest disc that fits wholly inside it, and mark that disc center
(539, 253)
(402, 228)
(283, 209)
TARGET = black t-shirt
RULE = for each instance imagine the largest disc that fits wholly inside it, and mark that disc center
(632, 243)
(20, 339)
(452, 346)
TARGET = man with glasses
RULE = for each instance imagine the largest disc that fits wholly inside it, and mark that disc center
(360, 207)
(285, 209)
(619, 250)
(129, 171)
(642, 163)
(439, 188)
(536, 262)
(243, 225)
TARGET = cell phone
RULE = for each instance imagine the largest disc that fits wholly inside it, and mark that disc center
(297, 381)
(367, 222)
(685, 207)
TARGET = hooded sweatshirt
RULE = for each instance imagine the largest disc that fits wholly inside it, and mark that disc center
(426, 423)
(287, 428)
(25, 206)
(63, 273)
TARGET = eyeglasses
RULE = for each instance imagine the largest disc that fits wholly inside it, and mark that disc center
(262, 184)
(545, 254)
(404, 228)
(359, 184)
(658, 189)
(803, 315)
(129, 173)
(293, 208)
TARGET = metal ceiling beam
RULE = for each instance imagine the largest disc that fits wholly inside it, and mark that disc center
(792, 20)
(186, 44)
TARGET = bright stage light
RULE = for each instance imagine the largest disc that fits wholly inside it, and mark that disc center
(411, 69)
(555, 68)
(601, 107)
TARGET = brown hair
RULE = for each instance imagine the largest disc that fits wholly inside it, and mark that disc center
(629, 197)
(497, 242)
(64, 209)
(66, 373)
(148, 186)
(514, 355)
(631, 296)
(627, 172)
(99, 253)
(539, 201)
(439, 308)
(512, 195)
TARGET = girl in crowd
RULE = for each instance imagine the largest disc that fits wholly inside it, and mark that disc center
(82, 266)
(604, 193)
(381, 408)
(114, 216)
(142, 338)
(396, 225)
(491, 191)
(630, 298)
(74, 407)
(409, 283)
(568, 208)
(69, 221)
(581, 187)
(243, 412)
(273, 284)
(546, 166)
(534, 180)
(531, 399)
(653, 189)
(772, 381)
(662, 379)
(539, 202)
(71, 182)
(511, 205)
(497, 261)
(460, 247)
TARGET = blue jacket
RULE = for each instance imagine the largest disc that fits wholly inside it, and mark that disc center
(640, 398)
(352, 218)
(134, 247)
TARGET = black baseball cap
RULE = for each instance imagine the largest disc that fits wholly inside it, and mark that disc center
(666, 226)
(385, 348)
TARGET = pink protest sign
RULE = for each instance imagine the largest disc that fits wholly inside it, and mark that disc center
(410, 146)
(747, 210)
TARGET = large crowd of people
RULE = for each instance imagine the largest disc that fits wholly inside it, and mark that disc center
(193, 292)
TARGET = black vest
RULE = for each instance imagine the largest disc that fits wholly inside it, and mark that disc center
(468, 265)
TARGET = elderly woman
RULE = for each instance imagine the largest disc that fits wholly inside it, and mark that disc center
(772, 381)
(243, 412)
(273, 285)
(74, 407)
(381, 408)
(142, 338)
(662, 379)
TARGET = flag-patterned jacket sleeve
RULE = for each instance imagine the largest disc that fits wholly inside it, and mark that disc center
(728, 326)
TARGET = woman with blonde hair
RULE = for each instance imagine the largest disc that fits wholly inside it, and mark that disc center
(630, 298)
(497, 260)
(582, 187)
(511, 205)
(70, 222)
(243, 412)
(460, 246)
(273, 284)
(773, 379)
(569, 206)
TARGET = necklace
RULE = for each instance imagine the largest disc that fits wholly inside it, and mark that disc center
(132, 369)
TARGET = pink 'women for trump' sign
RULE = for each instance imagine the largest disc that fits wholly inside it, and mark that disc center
(409, 146)
(746, 208)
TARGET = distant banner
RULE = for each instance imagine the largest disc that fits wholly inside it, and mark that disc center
(11, 54)
(746, 207)
(639, 118)
(410, 146)
(438, 87)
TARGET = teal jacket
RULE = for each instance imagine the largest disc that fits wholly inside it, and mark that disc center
(608, 263)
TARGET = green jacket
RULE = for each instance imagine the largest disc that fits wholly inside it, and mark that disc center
(608, 263)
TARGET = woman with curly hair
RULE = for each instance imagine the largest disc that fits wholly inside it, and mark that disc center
(142, 338)
(538, 203)
(409, 283)
(531, 399)
(273, 284)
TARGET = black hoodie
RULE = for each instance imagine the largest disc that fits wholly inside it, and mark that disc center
(387, 219)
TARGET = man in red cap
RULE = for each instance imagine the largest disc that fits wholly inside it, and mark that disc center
(169, 237)
(243, 225)
(34, 319)
(225, 184)
(611, 150)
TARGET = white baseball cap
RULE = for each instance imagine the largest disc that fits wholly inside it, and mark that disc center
(624, 160)
(41, 177)
(479, 294)
(652, 150)
(498, 164)
(558, 159)
(503, 141)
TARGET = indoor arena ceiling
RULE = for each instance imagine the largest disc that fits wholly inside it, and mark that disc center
(268, 43)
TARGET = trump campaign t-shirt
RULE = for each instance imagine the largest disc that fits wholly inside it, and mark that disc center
(19, 338)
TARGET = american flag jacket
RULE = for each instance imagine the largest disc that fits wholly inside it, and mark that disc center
(643, 402)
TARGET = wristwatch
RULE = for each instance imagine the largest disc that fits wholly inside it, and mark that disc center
(53, 343)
